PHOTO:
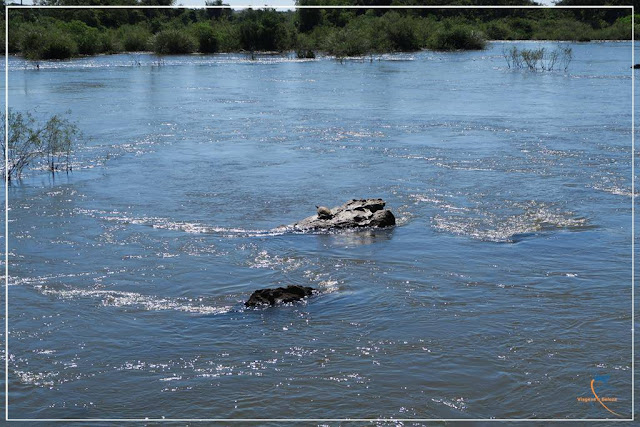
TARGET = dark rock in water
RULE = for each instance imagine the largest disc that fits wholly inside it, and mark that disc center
(275, 296)
(636, 66)
(353, 214)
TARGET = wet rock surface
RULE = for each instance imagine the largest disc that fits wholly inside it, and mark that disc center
(353, 214)
(281, 295)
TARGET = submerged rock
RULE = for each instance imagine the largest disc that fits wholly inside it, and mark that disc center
(275, 296)
(353, 214)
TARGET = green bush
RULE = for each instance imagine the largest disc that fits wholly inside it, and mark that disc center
(48, 44)
(399, 32)
(110, 42)
(308, 19)
(305, 54)
(521, 28)
(565, 29)
(347, 42)
(620, 30)
(206, 37)
(457, 37)
(249, 37)
(15, 38)
(59, 46)
(498, 30)
(31, 42)
(134, 38)
(263, 30)
(173, 42)
(228, 36)
(87, 38)
(304, 46)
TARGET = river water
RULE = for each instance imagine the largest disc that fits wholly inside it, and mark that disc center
(503, 291)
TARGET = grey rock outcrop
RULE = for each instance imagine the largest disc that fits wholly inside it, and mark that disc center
(353, 214)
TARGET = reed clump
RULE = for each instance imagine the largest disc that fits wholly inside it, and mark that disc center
(539, 59)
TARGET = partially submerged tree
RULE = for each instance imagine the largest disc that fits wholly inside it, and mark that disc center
(29, 143)
(58, 136)
(23, 145)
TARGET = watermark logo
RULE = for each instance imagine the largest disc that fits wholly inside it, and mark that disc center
(599, 385)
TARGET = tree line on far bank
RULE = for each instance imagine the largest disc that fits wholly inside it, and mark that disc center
(64, 33)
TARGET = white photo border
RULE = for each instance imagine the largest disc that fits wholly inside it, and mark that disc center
(290, 7)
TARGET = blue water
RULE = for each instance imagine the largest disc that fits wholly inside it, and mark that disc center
(504, 289)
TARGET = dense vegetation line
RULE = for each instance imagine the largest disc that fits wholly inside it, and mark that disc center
(65, 33)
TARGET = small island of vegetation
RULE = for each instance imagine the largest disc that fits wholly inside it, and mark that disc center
(65, 33)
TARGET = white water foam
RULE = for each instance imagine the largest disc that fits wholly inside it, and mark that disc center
(136, 300)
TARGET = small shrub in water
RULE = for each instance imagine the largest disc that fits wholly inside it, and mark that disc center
(538, 59)
(30, 142)
(305, 54)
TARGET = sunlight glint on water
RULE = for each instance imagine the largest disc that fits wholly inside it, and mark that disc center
(503, 290)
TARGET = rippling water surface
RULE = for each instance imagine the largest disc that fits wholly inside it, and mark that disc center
(504, 289)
